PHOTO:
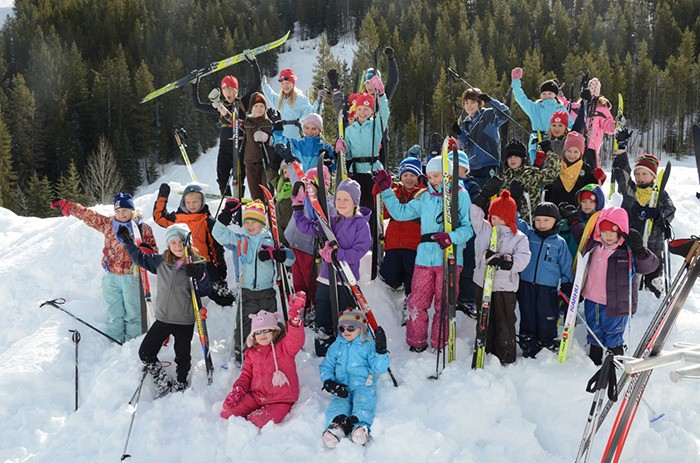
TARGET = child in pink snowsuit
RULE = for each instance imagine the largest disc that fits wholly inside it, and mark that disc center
(268, 385)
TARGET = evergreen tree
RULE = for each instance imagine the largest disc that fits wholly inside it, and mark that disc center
(20, 122)
(69, 185)
(38, 197)
(8, 177)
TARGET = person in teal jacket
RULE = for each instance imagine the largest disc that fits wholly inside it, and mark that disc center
(539, 112)
(258, 255)
(291, 103)
(428, 273)
(308, 148)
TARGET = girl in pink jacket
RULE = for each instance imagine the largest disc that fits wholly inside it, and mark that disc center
(268, 385)
(598, 122)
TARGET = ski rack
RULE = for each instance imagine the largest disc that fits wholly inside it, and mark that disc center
(685, 352)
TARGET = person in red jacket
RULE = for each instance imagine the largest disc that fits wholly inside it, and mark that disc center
(402, 237)
(268, 386)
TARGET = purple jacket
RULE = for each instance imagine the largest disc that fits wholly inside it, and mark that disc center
(353, 235)
(617, 277)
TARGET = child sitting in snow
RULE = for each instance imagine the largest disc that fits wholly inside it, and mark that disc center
(607, 288)
(174, 309)
(350, 371)
(120, 284)
(193, 212)
(268, 385)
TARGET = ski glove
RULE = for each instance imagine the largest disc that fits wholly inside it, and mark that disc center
(443, 239)
(271, 252)
(327, 158)
(620, 161)
(297, 302)
(456, 129)
(249, 57)
(261, 137)
(340, 146)
(298, 194)
(516, 73)
(380, 340)
(599, 174)
(341, 390)
(63, 205)
(636, 244)
(622, 136)
(285, 152)
(124, 235)
(328, 253)
(376, 82)
(389, 52)
(504, 262)
(540, 157)
(646, 212)
(164, 190)
(231, 401)
(333, 79)
(232, 205)
(382, 179)
(194, 271)
(568, 212)
(484, 97)
(586, 95)
(278, 127)
(490, 188)
(546, 147)
(517, 190)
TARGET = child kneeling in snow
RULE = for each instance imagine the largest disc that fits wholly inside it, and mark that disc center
(268, 385)
(349, 372)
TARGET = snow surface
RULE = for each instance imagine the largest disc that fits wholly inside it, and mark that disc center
(531, 411)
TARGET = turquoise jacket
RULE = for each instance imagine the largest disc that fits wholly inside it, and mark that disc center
(358, 139)
(301, 108)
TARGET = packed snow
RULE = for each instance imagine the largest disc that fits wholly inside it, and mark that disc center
(532, 410)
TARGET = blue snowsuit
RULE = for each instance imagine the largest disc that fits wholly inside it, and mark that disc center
(305, 149)
(357, 365)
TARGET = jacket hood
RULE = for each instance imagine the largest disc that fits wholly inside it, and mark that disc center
(597, 191)
(192, 189)
(616, 215)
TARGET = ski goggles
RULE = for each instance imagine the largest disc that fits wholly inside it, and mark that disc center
(282, 79)
(348, 328)
(259, 332)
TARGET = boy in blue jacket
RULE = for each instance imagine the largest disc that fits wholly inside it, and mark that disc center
(537, 294)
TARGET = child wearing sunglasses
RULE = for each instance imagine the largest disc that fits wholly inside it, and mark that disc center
(269, 385)
(349, 372)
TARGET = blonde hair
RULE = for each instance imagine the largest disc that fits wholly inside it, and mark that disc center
(170, 258)
(291, 98)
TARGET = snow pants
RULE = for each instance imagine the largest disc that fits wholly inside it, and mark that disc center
(252, 302)
(466, 276)
(323, 320)
(500, 336)
(255, 172)
(610, 330)
(156, 336)
(361, 402)
(122, 295)
(539, 312)
(426, 289)
(259, 413)
(397, 268)
(304, 275)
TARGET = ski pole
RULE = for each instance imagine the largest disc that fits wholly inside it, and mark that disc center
(60, 301)
(76, 339)
(133, 405)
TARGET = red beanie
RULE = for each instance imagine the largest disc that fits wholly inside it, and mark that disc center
(288, 74)
(560, 117)
(365, 99)
(504, 207)
(648, 162)
(587, 195)
(606, 225)
(575, 140)
(229, 81)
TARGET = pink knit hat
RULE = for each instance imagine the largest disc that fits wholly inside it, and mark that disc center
(265, 320)
(575, 140)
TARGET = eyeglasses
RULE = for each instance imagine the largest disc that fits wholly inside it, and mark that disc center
(259, 332)
(348, 328)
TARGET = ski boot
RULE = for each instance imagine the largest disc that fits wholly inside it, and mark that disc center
(529, 346)
(418, 350)
(596, 355)
(339, 428)
(360, 435)
(160, 379)
(404, 314)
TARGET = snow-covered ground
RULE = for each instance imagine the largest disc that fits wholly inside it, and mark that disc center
(531, 411)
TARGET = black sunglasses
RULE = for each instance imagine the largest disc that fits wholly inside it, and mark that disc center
(282, 79)
(259, 332)
(348, 328)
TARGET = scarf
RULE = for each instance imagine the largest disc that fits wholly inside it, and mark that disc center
(284, 189)
(643, 195)
(569, 174)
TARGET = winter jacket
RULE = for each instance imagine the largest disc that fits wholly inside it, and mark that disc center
(539, 112)
(515, 245)
(253, 150)
(359, 139)
(283, 206)
(259, 366)
(355, 363)
(257, 275)
(556, 193)
(480, 137)
(305, 149)
(302, 107)
(115, 259)
(617, 277)
(298, 238)
(550, 259)
(352, 233)
(598, 123)
(471, 186)
(534, 179)
(402, 234)
(174, 301)
(572, 230)
(200, 224)
(427, 207)
(627, 188)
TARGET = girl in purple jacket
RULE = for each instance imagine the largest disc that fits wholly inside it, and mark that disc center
(351, 229)
(606, 291)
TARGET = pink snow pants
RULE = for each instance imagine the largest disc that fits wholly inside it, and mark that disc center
(426, 285)
(258, 414)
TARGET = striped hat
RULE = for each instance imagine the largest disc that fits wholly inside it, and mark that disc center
(647, 162)
(255, 210)
(353, 317)
(177, 230)
(411, 165)
(462, 157)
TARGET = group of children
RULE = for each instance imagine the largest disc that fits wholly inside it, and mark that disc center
(537, 205)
